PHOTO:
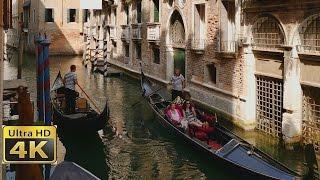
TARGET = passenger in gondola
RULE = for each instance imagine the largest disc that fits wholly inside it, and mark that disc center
(191, 115)
(70, 81)
(176, 115)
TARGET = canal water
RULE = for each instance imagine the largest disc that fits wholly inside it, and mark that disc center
(139, 147)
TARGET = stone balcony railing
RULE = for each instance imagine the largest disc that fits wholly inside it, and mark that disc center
(198, 44)
(125, 33)
(153, 32)
(227, 49)
(113, 32)
(227, 46)
(136, 32)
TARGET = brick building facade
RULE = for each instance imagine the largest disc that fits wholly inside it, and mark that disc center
(253, 61)
(61, 20)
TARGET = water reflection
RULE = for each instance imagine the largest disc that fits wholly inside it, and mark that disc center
(140, 148)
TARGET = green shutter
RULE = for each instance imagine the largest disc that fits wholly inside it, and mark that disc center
(156, 11)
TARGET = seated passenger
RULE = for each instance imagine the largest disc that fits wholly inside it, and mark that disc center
(176, 115)
(191, 115)
(178, 101)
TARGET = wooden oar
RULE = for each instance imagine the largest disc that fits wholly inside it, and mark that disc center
(99, 111)
(144, 97)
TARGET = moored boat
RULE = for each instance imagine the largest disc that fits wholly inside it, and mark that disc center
(225, 148)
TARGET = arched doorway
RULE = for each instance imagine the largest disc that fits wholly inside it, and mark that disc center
(177, 40)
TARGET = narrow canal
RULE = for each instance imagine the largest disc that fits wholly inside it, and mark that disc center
(141, 148)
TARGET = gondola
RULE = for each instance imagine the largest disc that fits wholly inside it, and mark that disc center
(85, 121)
(225, 148)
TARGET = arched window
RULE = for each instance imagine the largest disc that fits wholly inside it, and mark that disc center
(177, 32)
(267, 33)
(310, 35)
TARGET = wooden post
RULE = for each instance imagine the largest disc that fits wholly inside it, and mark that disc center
(21, 47)
(25, 109)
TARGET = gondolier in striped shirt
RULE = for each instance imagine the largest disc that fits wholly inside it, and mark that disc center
(70, 81)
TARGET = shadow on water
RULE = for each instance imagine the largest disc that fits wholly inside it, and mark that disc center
(86, 150)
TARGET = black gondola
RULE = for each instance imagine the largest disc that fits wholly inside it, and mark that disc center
(228, 149)
(84, 121)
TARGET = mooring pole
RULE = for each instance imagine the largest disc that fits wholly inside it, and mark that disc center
(26, 171)
(20, 58)
(40, 93)
(46, 74)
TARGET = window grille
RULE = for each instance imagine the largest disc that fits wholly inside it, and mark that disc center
(311, 117)
(269, 105)
(310, 35)
(267, 33)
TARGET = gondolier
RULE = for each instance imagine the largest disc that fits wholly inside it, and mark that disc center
(70, 81)
(178, 84)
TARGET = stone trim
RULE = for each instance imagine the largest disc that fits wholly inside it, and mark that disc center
(268, 75)
(215, 88)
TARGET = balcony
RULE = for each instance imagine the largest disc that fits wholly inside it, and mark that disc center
(126, 60)
(136, 32)
(227, 49)
(125, 33)
(113, 32)
(198, 45)
(153, 32)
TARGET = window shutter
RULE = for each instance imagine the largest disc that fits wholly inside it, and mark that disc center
(52, 15)
(156, 11)
(77, 15)
(68, 15)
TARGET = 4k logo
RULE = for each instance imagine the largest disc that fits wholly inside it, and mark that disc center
(29, 144)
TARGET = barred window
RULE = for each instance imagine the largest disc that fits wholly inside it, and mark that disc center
(267, 33)
(310, 35)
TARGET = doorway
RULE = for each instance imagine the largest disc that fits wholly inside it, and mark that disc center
(179, 60)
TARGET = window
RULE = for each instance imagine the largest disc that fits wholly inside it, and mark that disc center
(199, 22)
(49, 15)
(139, 12)
(114, 49)
(34, 15)
(72, 15)
(212, 73)
(86, 15)
(138, 51)
(126, 49)
(156, 55)
(126, 9)
(170, 3)
(156, 10)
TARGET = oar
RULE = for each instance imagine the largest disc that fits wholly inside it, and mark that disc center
(90, 99)
(148, 95)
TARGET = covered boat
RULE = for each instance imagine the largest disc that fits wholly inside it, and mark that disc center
(85, 120)
(224, 147)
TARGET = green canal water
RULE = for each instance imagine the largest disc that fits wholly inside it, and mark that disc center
(141, 148)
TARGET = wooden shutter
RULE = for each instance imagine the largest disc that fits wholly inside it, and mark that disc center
(156, 11)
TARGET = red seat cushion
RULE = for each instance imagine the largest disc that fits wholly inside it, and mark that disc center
(206, 129)
(201, 135)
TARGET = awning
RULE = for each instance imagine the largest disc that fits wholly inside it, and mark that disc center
(26, 4)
